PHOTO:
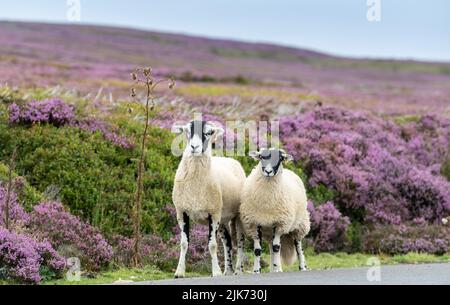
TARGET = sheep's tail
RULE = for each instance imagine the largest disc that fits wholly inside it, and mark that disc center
(288, 252)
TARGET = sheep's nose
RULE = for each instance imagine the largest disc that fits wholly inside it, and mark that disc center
(268, 171)
(194, 147)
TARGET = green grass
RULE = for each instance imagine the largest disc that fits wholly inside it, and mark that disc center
(404, 119)
(320, 261)
(344, 260)
(135, 275)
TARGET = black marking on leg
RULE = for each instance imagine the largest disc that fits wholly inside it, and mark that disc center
(276, 248)
(258, 252)
(210, 227)
(186, 225)
(227, 238)
(296, 246)
(259, 233)
(228, 245)
(275, 265)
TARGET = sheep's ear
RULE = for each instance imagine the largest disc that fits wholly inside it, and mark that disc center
(255, 155)
(218, 132)
(287, 157)
(179, 129)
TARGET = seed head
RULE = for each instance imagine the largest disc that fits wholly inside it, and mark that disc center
(147, 71)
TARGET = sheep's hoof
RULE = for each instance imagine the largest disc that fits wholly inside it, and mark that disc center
(277, 270)
(216, 273)
(229, 272)
(179, 275)
(238, 272)
(304, 269)
(256, 271)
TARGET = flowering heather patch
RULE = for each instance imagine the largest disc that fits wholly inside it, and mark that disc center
(328, 227)
(382, 172)
(58, 113)
(93, 125)
(17, 215)
(52, 222)
(23, 258)
(73, 56)
(51, 111)
(416, 236)
(153, 251)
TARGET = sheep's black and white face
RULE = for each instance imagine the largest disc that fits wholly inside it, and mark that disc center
(271, 160)
(200, 135)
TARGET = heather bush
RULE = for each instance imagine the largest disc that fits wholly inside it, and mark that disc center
(58, 113)
(416, 236)
(381, 173)
(17, 216)
(108, 132)
(328, 228)
(24, 259)
(51, 111)
(51, 222)
(153, 251)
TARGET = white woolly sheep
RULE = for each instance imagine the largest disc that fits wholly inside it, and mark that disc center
(274, 206)
(207, 190)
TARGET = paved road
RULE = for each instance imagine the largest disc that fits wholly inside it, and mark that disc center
(398, 274)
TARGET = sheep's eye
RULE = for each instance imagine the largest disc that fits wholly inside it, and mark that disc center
(209, 133)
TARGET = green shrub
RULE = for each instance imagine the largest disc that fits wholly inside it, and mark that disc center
(10, 95)
(28, 195)
(96, 179)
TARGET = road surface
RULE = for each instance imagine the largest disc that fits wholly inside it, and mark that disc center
(423, 274)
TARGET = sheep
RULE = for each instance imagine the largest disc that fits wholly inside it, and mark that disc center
(274, 206)
(207, 190)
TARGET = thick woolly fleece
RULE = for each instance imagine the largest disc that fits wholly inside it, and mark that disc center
(208, 185)
(276, 201)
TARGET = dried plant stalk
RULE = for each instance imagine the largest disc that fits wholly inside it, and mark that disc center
(143, 77)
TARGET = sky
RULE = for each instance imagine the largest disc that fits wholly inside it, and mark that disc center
(407, 29)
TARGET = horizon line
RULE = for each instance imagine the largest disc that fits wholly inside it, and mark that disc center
(231, 39)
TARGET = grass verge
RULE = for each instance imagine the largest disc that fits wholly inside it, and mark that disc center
(320, 261)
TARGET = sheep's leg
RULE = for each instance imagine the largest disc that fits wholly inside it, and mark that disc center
(183, 222)
(212, 245)
(240, 247)
(227, 248)
(271, 256)
(301, 256)
(257, 250)
(276, 247)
